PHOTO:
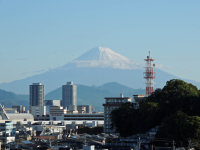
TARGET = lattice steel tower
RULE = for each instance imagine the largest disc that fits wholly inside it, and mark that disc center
(149, 75)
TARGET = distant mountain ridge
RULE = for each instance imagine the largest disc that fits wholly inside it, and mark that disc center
(96, 67)
(9, 98)
(92, 95)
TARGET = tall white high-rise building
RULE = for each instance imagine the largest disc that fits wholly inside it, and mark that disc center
(36, 95)
(69, 94)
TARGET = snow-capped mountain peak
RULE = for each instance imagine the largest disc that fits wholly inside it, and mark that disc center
(100, 53)
(104, 58)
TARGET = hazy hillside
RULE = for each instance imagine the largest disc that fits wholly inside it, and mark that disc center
(96, 67)
(115, 89)
(85, 95)
(95, 95)
(9, 99)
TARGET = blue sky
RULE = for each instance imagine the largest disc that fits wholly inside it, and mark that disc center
(39, 35)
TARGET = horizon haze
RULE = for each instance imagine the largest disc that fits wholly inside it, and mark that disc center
(38, 36)
(96, 67)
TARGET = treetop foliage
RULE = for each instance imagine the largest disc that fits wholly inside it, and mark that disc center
(179, 88)
(175, 108)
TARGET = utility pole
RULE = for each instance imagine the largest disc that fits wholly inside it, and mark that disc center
(139, 143)
(189, 143)
(173, 145)
(152, 147)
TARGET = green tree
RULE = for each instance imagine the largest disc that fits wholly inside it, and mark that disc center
(123, 119)
(181, 128)
(128, 121)
(159, 108)
(176, 95)
(179, 88)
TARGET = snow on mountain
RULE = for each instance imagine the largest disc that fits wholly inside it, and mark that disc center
(96, 67)
(104, 58)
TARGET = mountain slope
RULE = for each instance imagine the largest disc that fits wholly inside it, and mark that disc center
(92, 95)
(8, 99)
(115, 89)
(96, 67)
(104, 58)
(95, 95)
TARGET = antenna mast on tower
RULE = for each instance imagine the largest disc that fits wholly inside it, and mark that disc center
(149, 75)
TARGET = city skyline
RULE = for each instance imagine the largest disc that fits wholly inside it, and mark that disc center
(40, 35)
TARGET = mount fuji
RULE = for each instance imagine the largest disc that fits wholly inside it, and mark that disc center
(96, 67)
(103, 58)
